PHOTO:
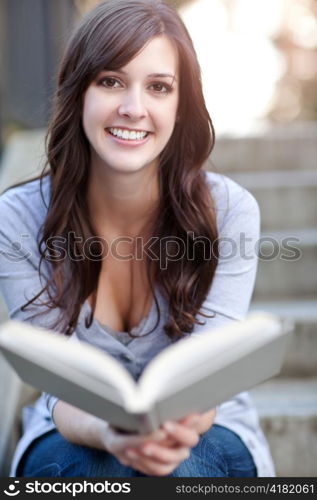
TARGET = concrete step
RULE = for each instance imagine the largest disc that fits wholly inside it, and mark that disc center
(9, 393)
(283, 147)
(13, 396)
(288, 416)
(287, 198)
(287, 265)
(301, 357)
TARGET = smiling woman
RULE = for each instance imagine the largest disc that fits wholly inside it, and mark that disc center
(129, 115)
(127, 141)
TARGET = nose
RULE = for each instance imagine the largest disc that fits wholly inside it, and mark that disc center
(132, 105)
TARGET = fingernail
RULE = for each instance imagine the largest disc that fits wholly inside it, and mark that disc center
(147, 451)
(161, 434)
(169, 426)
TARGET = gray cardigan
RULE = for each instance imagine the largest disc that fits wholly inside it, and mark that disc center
(23, 211)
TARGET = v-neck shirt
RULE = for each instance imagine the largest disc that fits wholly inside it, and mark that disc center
(23, 211)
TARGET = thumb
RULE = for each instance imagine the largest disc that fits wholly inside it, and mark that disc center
(191, 420)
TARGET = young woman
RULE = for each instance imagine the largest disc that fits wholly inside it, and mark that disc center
(92, 248)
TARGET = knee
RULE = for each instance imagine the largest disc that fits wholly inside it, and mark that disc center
(219, 453)
(229, 450)
(89, 462)
(205, 460)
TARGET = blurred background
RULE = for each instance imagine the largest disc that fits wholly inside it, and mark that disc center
(259, 67)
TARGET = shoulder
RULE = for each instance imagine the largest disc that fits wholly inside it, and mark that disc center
(231, 200)
(25, 205)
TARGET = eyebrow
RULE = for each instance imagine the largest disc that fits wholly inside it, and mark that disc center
(151, 75)
(162, 75)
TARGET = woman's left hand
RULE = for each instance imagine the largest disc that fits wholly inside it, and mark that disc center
(180, 435)
(201, 422)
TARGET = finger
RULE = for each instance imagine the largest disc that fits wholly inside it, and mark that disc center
(165, 455)
(157, 434)
(160, 470)
(191, 420)
(149, 466)
(122, 441)
(188, 417)
(186, 436)
(124, 460)
(169, 442)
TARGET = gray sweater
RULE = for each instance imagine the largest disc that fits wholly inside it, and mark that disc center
(23, 211)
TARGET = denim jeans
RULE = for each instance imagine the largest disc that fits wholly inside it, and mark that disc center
(219, 453)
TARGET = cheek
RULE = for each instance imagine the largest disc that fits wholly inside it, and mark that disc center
(95, 110)
(91, 113)
(167, 117)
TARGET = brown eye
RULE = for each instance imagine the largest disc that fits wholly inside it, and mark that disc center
(110, 82)
(161, 88)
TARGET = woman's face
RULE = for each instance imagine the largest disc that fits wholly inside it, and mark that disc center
(129, 114)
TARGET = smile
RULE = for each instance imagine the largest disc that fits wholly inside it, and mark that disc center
(128, 135)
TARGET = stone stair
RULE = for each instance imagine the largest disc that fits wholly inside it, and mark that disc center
(23, 157)
(301, 359)
(287, 404)
(280, 148)
(280, 169)
(288, 414)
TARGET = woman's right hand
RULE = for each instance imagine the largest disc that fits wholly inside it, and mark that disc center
(155, 454)
(151, 454)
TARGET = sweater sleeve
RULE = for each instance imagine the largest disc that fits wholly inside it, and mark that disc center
(21, 215)
(233, 283)
(20, 259)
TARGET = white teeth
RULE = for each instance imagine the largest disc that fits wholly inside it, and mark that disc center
(130, 135)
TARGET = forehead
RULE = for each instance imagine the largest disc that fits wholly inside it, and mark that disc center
(158, 56)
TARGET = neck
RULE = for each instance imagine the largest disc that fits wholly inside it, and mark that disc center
(121, 202)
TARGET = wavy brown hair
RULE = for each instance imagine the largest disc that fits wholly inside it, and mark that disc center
(108, 38)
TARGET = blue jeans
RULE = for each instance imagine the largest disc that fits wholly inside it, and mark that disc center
(219, 453)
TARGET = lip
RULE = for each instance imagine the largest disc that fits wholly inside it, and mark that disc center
(125, 142)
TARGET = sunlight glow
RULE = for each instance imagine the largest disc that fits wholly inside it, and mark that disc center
(240, 64)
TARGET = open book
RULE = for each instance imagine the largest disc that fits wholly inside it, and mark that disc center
(192, 375)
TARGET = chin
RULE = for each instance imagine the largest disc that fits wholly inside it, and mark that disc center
(127, 168)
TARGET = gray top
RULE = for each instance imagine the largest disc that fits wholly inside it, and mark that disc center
(22, 213)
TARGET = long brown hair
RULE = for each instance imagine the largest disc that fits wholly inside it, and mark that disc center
(109, 37)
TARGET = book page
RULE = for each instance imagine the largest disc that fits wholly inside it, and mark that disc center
(68, 357)
(193, 358)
